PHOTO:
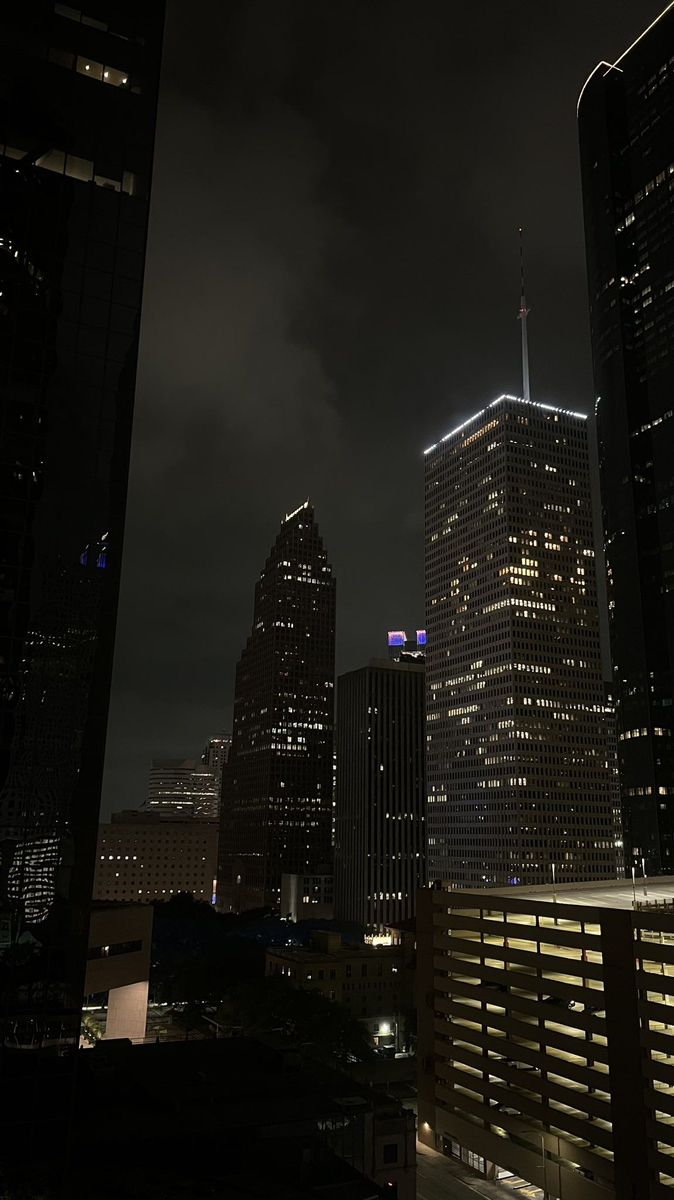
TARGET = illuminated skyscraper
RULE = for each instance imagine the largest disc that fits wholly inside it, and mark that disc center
(520, 774)
(216, 753)
(627, 157)
(182, 787)
(277, 786)
(78, 94)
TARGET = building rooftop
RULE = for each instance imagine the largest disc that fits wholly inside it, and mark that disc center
(156, 1086)
(614, 65)
(499, 400)
(610, 893)
(311, 954)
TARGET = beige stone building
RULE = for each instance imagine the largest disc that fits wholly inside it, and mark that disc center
(118, 964)
(142, 857)
(375, 982)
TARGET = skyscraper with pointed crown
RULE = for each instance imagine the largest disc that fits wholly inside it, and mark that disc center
(277, 785)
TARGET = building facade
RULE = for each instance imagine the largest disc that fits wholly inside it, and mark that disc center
(380, 798)
(545, 1035)
(307, 897)
(375, 983)
(277, 786)
(214, 759)
(183, 787)
(78, 97)
(521, 781)
(143, 857)
(627, 159)
(118, 969)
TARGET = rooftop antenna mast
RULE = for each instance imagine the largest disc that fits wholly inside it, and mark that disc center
(522, 315)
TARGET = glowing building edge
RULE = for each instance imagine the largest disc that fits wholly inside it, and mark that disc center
(614, 66)
(289, 516)
(499, 400)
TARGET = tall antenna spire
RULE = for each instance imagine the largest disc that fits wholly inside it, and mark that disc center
(522, 316)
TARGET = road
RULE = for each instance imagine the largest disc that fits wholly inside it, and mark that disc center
(439, 1178)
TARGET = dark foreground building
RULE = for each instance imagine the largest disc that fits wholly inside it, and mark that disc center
(156, 1123)
(78, 94)
(277, 785)
(626, 115)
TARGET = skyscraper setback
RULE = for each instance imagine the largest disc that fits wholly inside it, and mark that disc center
(277, 785)
(626, 111)
(520, 778)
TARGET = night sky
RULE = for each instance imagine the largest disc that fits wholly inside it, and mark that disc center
(332, 284)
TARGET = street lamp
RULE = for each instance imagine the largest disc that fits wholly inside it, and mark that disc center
(643, 871)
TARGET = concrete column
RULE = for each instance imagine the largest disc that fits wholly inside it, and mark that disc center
(127, 1011)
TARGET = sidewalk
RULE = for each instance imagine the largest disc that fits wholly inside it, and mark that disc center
(443, 1178)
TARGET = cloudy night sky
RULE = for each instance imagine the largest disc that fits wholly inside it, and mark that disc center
(332, 283)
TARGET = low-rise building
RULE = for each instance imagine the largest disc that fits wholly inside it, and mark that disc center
(307, 897)
(546, 1034)
(374, 982)
(143, 857)
(118, 964)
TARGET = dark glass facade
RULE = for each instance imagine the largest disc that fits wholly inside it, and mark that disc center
(276, 811)
(626, 119)
(78, 95)
(380, 799)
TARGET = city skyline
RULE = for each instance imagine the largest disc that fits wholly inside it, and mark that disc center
(373, 250)
(304, 227)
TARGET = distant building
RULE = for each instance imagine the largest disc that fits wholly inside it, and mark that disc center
(375, 982)
(216, 753)
(183, 787)
(214, 760)
(404, 648)
(545, 1035)
(307, 897)
(521, 776)
(118, 964)
(145, 856)
(380, 799)
(627, 161)
(277, 791)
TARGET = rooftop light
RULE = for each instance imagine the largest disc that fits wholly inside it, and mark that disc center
(499, 400)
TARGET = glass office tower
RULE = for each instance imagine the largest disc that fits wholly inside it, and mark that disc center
(78, 95)
(380, 799)
(522, 782)
(626, 115)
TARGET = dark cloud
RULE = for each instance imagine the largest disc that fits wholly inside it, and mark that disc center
(331, 284)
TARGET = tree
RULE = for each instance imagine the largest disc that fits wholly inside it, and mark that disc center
(325, 1029)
